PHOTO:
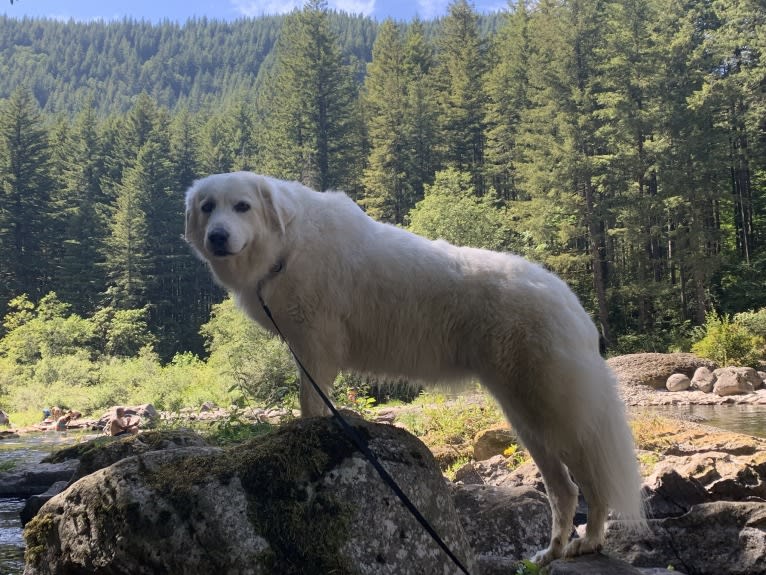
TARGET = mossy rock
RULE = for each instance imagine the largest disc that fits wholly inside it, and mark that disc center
(301, 500)
(105, 451)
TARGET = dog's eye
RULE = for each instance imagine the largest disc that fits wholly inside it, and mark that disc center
(241, 207)
(207, 207)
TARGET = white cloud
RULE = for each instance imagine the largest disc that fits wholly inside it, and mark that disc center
(364, 7)
(432, 8)
(254, 8)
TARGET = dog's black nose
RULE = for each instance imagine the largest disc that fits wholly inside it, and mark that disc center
(218, 238)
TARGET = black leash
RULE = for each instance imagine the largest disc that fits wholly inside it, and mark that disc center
(357, 439)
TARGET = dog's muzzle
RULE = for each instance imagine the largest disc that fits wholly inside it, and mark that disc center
(218, 241)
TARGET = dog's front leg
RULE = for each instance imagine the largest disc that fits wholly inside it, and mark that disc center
(312, 405)
(317, 354)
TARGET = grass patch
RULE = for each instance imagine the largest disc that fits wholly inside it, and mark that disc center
(450, 421)
(653, 432)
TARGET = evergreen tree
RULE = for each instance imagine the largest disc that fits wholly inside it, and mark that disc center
(388, 195)
(80, 203)
(218, 147)
(420, 156)
(631, 67)
(461, 91)
(310, 109)
(25, 244)
(561, 169)
(506, 85)
(126, 249)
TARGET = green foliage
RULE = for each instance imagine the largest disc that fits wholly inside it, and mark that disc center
(451, 211)
(250, 363)
(441, 421)
(122, 332)
(633, 168)
(41, 331)
(527, 567)
(236, 429)
(754, 321)
(729, 342)
(310, 107)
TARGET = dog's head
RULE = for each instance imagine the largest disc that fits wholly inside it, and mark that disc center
(235, 216)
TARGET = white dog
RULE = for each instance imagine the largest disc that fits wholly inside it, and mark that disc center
(350, 293)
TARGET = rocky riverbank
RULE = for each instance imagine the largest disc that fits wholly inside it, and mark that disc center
(646, 379)
(702, 484)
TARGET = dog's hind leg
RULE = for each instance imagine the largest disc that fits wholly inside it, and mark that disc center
(562, 496)
(597, 514)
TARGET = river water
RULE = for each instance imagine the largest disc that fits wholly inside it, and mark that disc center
(25, 450)
(747, 419)
(34, 447)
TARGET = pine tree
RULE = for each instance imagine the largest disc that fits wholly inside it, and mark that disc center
(506, 85)
(80, 203)
(126, 250)
(310, 134)
(461, 92)
(421, 156)
(25, 245)
(560, 170)
(388, 195)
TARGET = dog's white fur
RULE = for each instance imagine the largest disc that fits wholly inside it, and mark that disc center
(350, 293)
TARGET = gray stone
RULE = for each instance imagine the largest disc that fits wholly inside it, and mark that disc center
(301, 500)
(493, 441)
(733, 381)
(104, 451)
(503, 523)
(712, 538)
(34, 503)
(653, 369)
(669, 494)
(36, 478)
(703, 379)
(594, 564)
(678, 382)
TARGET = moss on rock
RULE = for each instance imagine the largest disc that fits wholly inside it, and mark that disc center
(278, 472)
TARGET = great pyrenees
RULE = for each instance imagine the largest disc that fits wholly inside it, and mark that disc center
(350, 293)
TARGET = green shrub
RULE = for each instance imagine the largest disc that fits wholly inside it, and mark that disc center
(728, 342)
(755, 321)
(253, 365)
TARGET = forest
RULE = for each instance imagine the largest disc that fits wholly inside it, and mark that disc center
(620, 143)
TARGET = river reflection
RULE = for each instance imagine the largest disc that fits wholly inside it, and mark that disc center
(16, 452)
(748, 419)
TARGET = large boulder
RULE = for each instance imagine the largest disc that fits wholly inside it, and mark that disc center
(34, 503)
(301, 500)
(654, 369)
(712, 538)
(596, 564)
(678, 382)
(104, 451)
(493, 441)
(703, 379)
(34, 478)
(735, 381)
(504, 524)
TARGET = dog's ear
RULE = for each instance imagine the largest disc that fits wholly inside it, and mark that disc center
(192, 217)
(278, 208)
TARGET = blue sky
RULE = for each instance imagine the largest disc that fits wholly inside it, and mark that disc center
(181, 10)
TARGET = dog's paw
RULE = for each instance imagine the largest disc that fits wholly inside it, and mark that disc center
(583, 546)
(542, 558)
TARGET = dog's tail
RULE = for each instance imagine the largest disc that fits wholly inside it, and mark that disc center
(611, 464)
